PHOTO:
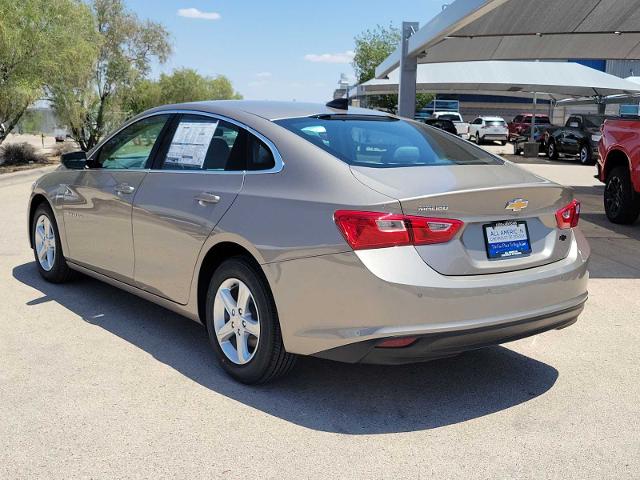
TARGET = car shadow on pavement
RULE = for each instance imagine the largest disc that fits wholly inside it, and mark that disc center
(318, 394)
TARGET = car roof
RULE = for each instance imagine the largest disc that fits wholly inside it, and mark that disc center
(269, 110)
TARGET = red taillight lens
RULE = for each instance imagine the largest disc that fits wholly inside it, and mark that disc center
(568, 217)
(400, 342)
(363, 230)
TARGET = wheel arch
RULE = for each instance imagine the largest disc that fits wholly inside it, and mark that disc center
(37, 200)
(615, 158)
(211, 260)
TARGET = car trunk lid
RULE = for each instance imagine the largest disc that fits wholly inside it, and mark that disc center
(479, 196)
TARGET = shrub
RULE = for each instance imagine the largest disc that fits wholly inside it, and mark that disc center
(65, 147)
(19, 154)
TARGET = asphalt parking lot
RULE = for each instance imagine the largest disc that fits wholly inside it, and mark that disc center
(96, 383)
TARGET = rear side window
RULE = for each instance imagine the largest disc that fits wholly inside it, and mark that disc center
(259, 156)
(384, 142)
(206, 143)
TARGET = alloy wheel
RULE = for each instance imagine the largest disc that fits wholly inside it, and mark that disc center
(236, 321)
(584, 155)
(45, 242)
(613, 195)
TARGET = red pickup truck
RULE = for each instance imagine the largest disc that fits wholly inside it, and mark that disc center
(522, 121)
(619, 169)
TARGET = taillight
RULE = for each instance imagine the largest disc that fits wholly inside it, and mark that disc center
(364, 230)
(568, 217)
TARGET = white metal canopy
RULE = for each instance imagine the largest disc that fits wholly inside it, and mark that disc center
(554, 80)
(469, 30)
(476, 30)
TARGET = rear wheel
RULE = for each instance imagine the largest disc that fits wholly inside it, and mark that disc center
(552, 151)
(47, 247)
(621, 202)
(243, 326)
(503, 142)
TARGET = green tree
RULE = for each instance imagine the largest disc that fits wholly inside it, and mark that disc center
(372, 47)
(41, 41)
(183, 85)
(90, 104)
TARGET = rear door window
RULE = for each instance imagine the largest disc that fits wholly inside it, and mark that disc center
(206, 143)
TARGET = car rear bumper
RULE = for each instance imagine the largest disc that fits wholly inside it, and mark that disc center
(333, 301)
(445, 344)
(494, 136)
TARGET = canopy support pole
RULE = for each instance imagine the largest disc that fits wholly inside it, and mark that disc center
(408, 73)
(533, 118)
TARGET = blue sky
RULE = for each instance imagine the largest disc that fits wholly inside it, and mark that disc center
(275, 50)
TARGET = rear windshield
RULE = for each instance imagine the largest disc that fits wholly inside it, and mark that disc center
(453, 118)
(385, 142)
(495, 123)
(593, 121)
(539, 119)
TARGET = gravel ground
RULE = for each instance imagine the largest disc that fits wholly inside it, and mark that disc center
(96, 383)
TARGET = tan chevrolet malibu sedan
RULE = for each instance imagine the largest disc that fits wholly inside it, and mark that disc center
(294, 229)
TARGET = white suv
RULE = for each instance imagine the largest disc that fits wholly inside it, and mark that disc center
(484, 129)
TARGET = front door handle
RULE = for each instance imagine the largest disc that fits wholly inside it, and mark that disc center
(124, 188)
(207, 197)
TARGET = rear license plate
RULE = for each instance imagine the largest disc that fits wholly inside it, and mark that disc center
(507, 239)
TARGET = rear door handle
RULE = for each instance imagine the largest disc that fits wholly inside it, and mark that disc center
(124, 188)
(207, 197)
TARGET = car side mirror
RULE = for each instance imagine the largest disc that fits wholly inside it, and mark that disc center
(74, 160)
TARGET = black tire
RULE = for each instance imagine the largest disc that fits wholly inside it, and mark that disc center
(478, 141)
(621, 202)
(585, 155)
(270, 359)
(59, 271)
(503, 142)
(552, 151)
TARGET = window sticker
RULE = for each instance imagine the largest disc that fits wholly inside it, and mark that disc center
(190, 144)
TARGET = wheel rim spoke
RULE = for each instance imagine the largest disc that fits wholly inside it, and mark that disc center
(225, 332)
(251, 326)
(242, 348)
(229, 302)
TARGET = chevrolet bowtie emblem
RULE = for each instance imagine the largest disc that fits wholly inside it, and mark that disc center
(517, 204)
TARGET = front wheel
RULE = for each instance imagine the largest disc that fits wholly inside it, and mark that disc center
(503, 142)
(621, 202)
(552, 151)
(478, 139)
(585, 155)
(47, 247)
(243, 326)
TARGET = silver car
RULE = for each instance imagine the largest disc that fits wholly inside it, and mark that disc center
(299, 229)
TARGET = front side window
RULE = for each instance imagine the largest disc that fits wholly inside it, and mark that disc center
(205, 143)
(132, 147)
(383, 142)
